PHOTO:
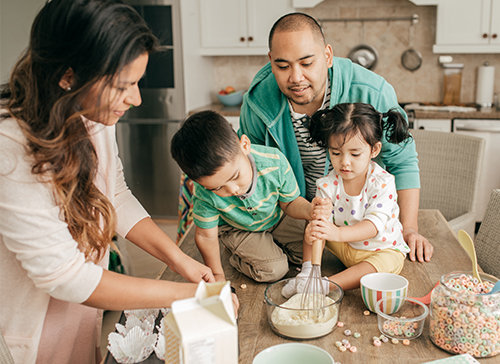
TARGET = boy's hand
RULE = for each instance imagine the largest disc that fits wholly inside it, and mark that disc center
(321, 207)
(308, 238)
(323, 229)
(220, 277)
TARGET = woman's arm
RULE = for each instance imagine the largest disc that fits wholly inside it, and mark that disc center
(148, 236)
(119, 292)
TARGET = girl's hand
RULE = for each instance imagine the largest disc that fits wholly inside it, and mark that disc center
(321, 207)
(323, 229)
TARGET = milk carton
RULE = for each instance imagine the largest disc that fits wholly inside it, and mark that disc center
(202, 329)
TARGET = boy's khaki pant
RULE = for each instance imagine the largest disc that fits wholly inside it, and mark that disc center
(263, 255)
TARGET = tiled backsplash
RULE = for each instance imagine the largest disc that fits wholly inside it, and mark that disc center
(390, 39)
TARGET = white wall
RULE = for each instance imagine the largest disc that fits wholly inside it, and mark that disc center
(16, 17)
(198, 70)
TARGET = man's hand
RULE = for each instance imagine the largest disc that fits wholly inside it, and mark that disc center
(418, 245)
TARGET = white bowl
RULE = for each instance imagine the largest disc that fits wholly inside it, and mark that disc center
(293, 353)
(392, 287)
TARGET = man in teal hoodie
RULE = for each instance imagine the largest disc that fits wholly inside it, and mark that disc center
(302, 77)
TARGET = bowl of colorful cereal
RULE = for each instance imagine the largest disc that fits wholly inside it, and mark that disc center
(407, 323)
(463, 319)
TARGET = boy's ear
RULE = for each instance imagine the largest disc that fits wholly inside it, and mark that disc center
(245, 144)
(376, 149)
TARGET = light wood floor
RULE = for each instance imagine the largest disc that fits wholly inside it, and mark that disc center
(139, 264)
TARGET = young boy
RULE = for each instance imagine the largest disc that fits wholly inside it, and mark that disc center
(245, 196)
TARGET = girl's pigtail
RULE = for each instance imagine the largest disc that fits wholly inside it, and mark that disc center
(396, 127)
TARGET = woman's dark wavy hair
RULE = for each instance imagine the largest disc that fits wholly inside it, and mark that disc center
(349, 118)
(95, 39)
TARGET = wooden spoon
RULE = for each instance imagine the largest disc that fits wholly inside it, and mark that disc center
(468, 245)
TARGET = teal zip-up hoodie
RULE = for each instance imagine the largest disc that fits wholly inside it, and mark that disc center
(265, 118)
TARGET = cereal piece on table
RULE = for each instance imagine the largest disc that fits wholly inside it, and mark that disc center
(347, 332)
(340, 324)
(356, 335)
(394, 341)
(342, 348)
(345, 341)
(375, 338)
(366, 313)
(353, 349)
(384, 338)
(406, 342)
(338, 344)
(377, 342)
(243, 286)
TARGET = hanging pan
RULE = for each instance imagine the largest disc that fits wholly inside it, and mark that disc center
(411, 59)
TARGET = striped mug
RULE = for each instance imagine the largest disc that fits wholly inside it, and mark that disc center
(393, 288)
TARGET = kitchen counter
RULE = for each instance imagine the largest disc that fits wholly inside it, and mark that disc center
(486, 114)
(221, 109)
(418, 114)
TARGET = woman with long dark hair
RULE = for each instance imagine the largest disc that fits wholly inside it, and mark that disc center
(62, 191)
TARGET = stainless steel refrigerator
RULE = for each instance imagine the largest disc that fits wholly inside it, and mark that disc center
(145, 132)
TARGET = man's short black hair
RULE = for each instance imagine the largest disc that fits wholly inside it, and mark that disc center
(204, 143)
(294, 22)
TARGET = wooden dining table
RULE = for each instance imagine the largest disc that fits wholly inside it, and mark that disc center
(255, 333)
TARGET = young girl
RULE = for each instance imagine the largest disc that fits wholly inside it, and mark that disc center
(365, 234)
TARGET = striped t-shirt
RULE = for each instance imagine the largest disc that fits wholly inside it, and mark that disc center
(259, 209)
(313, 156)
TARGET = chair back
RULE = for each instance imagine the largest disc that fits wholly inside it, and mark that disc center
(449, 166)
(487, 241)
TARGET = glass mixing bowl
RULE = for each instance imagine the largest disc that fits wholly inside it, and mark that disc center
(298, 323)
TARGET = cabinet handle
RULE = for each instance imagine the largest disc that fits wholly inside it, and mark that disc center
(242, 39)
(494, 36)
(485, 35)
(250, 39)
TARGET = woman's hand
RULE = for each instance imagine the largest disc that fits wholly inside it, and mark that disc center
(193, 270)
(323, 229)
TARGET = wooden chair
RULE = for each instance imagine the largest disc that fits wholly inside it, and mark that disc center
(449, 170)
(487, 241)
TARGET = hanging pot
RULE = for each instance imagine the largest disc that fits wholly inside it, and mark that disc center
(411, 59)
(364, 55)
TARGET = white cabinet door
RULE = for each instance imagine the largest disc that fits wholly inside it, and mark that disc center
(261, 16)
(443, 125)
(468, 26)
(223, 23)
(238, 27)
(495, 23)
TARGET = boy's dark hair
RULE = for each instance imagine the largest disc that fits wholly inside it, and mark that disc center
(349, 118)
(204, 143)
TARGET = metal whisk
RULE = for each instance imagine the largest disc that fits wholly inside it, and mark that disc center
(314, 296)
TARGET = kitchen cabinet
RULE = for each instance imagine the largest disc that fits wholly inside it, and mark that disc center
(238, 27)
(433, 124)
(468, 26)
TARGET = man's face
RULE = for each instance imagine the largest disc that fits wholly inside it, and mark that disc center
(300, 63)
